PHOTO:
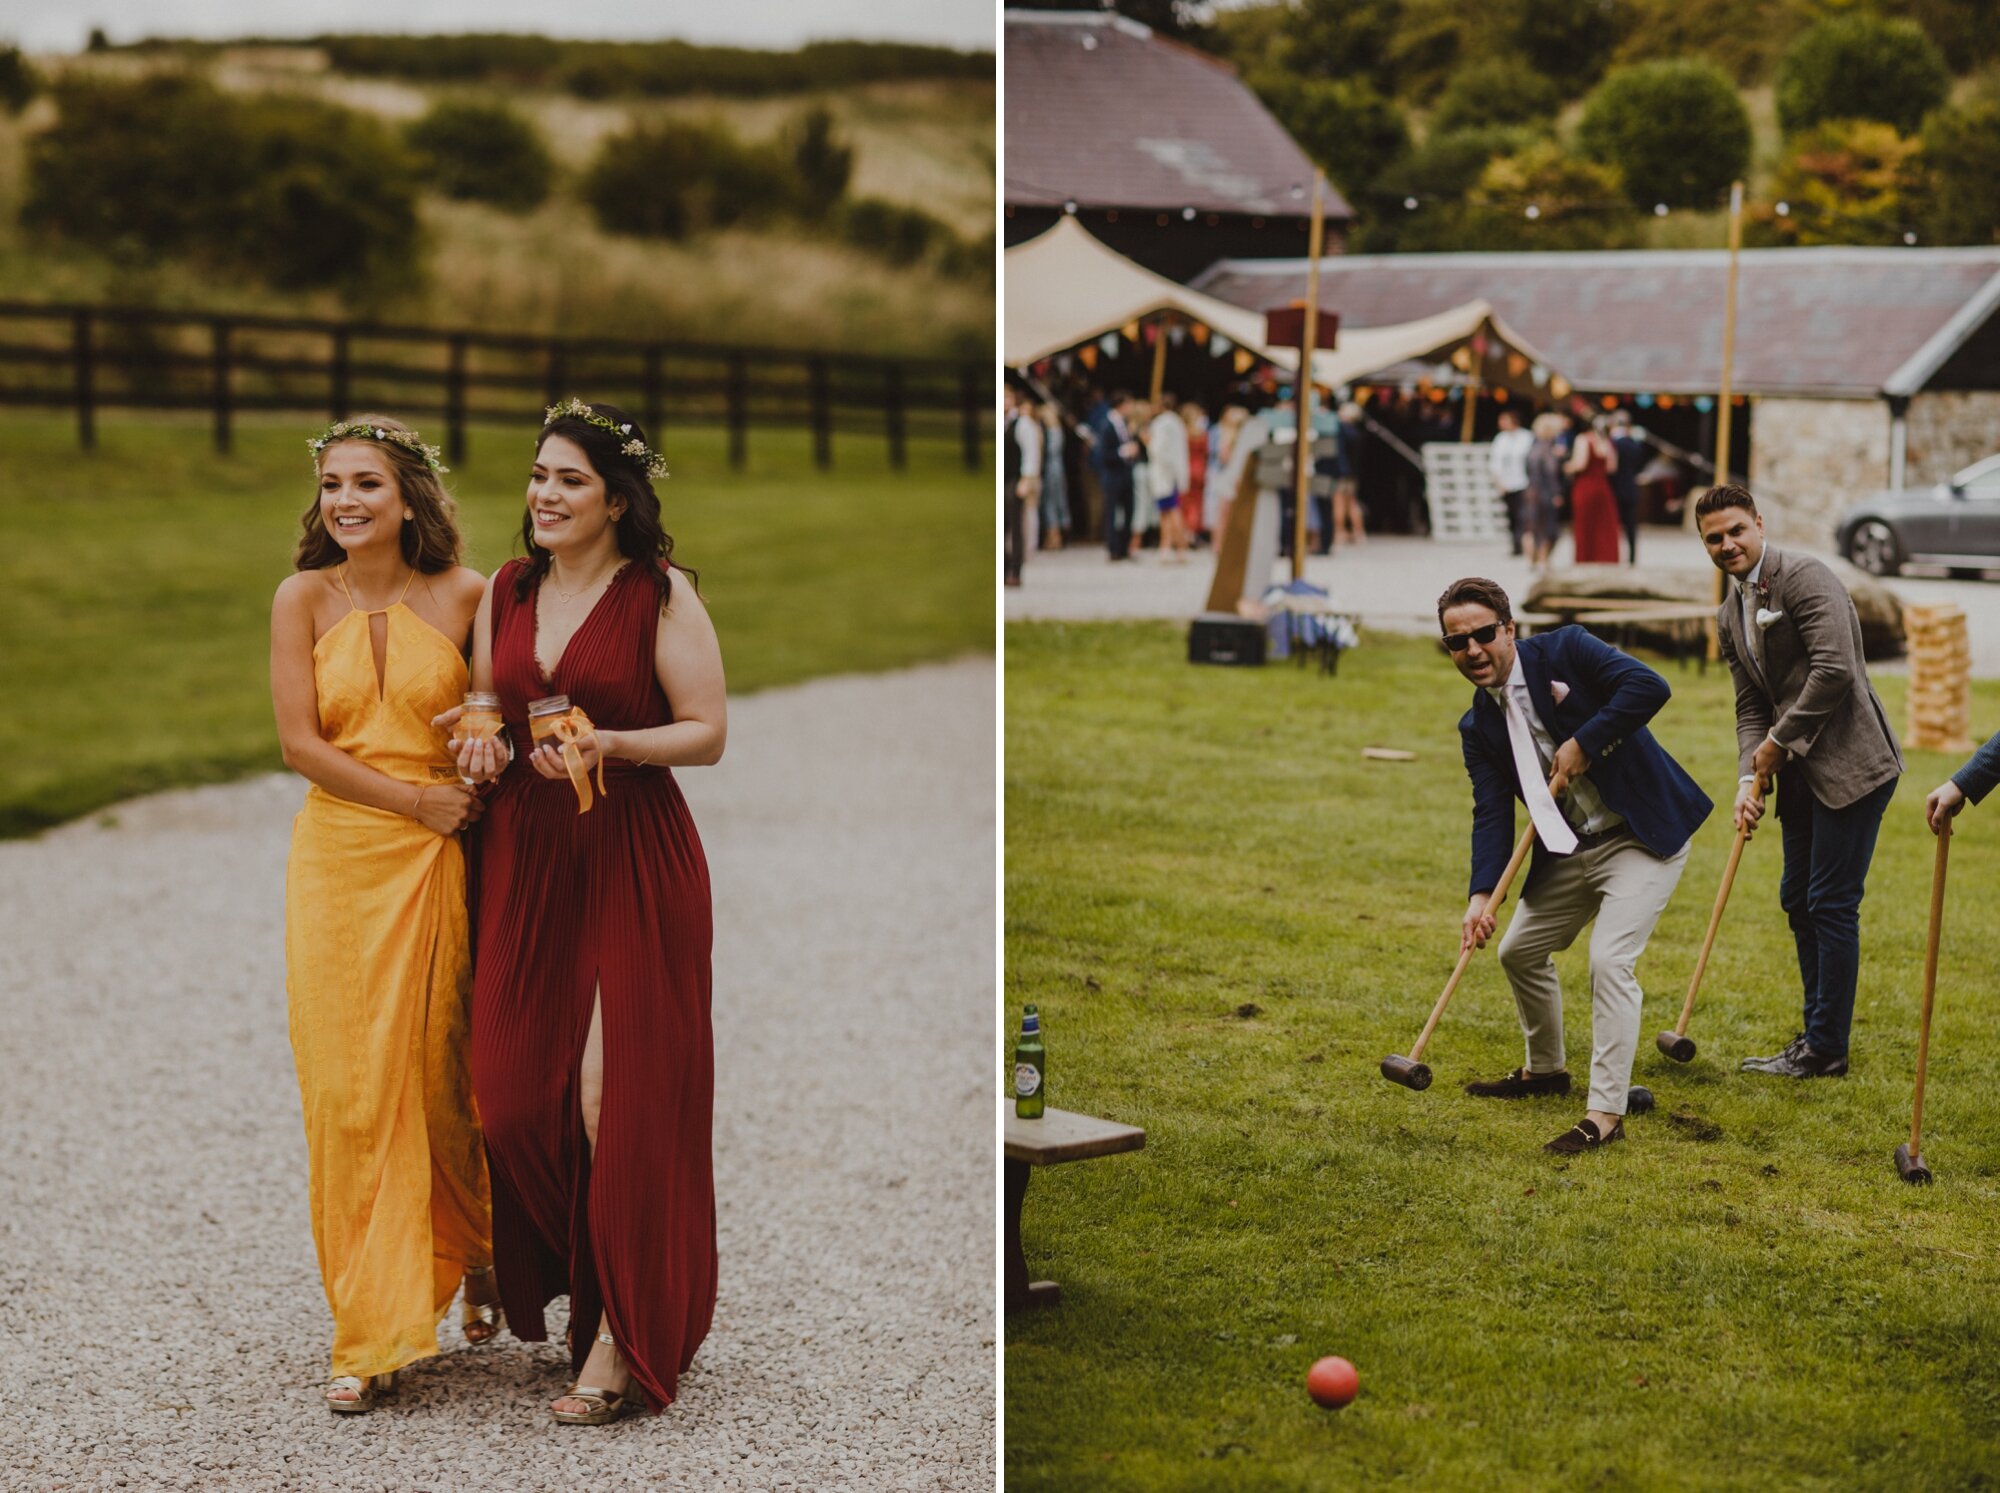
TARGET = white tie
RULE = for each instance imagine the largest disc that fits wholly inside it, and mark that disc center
(1548, 819)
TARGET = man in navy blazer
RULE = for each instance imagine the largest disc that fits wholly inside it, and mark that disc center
(1972, 782)
(1563, 713)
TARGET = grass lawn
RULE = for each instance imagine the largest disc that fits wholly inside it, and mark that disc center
(135, 584)
(1228, 918)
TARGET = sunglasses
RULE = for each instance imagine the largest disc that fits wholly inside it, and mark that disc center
(1457, 641)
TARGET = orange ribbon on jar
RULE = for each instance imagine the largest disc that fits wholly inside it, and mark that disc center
(566, 729)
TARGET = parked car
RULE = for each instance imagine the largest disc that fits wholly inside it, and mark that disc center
(1955, 524)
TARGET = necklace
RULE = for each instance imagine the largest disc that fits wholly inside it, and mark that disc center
(591, 585)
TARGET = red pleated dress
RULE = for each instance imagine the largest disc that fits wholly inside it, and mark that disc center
(617, 901)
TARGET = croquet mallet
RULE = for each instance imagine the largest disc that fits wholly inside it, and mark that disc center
(1909, 1157)
(1409, 1071)
(1677, 1044)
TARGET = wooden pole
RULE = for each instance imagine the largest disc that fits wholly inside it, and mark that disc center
(1930, 988)
(1728, 362)
(1471, 407)
(1159, 362)
(1302, 386)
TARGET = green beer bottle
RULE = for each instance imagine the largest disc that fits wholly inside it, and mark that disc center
(1029, 1065)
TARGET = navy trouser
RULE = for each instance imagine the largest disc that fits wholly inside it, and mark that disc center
(1118, 513)
(1826, 864)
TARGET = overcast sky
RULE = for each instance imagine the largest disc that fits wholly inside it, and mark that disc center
(40, 26)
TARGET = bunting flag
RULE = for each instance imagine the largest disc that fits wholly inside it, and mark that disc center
(1108, 344)
(1644, 401)
(1244, 360)
(1516, 365)
(1064, 362)
(1200, 334)
(1461, 359)
(1088, 352)
(1131, 331)
(1177, 334)
(1558, 386)
(1220, 344)
(1541, 375)
(1704, 403)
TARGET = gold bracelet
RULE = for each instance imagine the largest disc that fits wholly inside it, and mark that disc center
(418, 807)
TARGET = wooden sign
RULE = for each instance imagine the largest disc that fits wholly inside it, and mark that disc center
(1285, 326)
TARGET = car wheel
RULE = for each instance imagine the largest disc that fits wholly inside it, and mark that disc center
(1872, 547)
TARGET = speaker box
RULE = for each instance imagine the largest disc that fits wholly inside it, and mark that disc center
(1225, 638)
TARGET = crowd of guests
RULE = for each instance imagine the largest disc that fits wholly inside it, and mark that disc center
(1594, 475)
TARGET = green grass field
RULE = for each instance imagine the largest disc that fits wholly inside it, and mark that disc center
(1228, 918)
(135, 584)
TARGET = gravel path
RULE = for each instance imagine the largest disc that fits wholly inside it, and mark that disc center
(157, 1285)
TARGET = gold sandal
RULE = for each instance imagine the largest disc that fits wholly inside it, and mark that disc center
(605, 1406)
(366, 1392)
(481, 1321)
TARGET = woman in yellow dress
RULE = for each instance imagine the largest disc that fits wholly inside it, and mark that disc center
(368, 642)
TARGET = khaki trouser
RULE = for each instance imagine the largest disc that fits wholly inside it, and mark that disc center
(1625, 887)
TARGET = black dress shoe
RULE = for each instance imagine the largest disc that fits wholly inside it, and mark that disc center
(1804, 1063)
(1521, 1084)
(1790, 1050)
(1584, 1136)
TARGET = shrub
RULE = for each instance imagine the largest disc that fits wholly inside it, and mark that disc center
(19, 81)
(482, 153)
(1437, 175)
(1570, 41)
(1676, 131)
(298, 193)
(1961, 155)
(1848, 181)
(899, 234)
(1340, 39)
(1496, 91)
(822, 162)
(1346, 127)
(678, 178)
(1860, 67)
(1545, 199)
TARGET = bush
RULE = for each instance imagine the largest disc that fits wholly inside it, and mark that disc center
(1961, 155)
(1544, 199)
(19, 82)
(679, 178)
(1348, 128)
(482, 153)
(1570, 41)
(297, 193)
(1496, 91)
(899, 234)
(1340, 39)
(822, 162)
(1438, 175)
(1848, 181)
(1676, 131)
(1860, 67)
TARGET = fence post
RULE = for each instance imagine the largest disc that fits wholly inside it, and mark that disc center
(219, 383)
(339, 397)
(557, 376)
(893, 407)
(454, 401)
(968, 401)
(822, 419)
(738, 415)
(86, 412)
(649, 393)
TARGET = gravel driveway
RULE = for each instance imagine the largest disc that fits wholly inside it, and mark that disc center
(157, 1287)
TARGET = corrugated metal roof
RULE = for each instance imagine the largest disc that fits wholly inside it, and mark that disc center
(1828, 321)
(1103, 112)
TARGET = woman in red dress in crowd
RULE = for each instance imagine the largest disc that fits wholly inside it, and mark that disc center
(592, 1055)
(1593, 506)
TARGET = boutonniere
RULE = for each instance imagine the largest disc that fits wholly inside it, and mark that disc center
(1559, 690)
(1765, 617)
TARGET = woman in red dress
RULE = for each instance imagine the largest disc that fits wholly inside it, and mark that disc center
(592, 1056)
(1593, 506)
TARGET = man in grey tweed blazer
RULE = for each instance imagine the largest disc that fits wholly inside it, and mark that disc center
(1806, 714)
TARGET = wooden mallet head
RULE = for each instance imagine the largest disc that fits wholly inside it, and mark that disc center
(1677, 1045)
(1911, 1168)
(1408, 1072)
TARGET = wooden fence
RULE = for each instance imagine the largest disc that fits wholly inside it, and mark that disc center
(92, 358)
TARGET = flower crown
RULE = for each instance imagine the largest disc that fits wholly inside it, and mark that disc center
(651, 463)
(360, 430)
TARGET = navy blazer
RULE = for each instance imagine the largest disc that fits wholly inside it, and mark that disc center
(1981, 773)
(1611, 697)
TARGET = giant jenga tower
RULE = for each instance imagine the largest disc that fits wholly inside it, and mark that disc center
(1940, 679)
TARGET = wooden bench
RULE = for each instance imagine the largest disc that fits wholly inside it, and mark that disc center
(1687, 621)
(1059, 1135)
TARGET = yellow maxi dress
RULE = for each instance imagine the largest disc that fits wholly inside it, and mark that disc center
(379, 977)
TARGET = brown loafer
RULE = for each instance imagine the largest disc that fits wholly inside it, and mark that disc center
(1584, 1136)
(1521, 1084)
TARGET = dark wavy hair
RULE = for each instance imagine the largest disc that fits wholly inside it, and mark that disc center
(1476, 589)
(430, 540)
(640, 534)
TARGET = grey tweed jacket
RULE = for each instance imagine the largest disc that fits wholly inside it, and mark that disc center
(1802, 681)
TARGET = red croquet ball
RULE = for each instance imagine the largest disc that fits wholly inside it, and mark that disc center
(1332, 1383)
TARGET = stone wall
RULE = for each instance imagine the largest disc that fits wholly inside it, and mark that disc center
(1811, 458)
(1949, 431)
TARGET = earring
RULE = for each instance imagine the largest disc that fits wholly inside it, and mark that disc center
(409, 515)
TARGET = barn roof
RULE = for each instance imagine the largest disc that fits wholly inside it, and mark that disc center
(1104, 113)
(1831, 322)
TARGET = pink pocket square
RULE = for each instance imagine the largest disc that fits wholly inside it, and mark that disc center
(1559, 690)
